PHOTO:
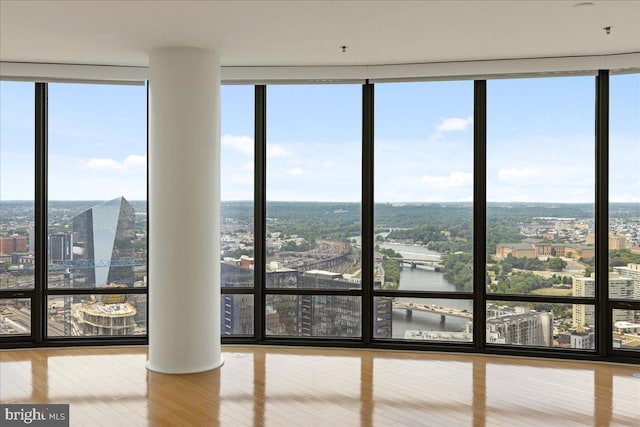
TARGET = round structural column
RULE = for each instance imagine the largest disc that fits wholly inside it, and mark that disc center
(184, 204)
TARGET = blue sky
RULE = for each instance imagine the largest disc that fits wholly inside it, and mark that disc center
(540, 141)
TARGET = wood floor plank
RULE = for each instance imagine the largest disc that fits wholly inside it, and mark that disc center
(279, 386)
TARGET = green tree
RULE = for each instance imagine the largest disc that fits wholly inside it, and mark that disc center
(556, 264)
(622, 257)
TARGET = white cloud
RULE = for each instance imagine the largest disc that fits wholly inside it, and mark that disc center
(518, 175)
(278, 150)
(240, 143)
(452, 124)
(454, 179)
(102, 164)
(107, 164)
(244, 144)
(135, 160)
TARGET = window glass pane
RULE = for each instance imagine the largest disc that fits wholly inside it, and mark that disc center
(313, 315)
(624, 187)
(314, 167)
(540, 184)
(626, 329)
(422, 319)
(237, 172)
(97, 315)
(17, 186)
(236, 314)
(424, 186)
(552, 325)
(97, 186)
(15, 316)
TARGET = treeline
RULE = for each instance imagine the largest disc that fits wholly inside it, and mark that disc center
(313, 220)
(419, 214)
(511, 262)
(458, 269)
(622, 257)
(388, 252)
(446, 236)
(425, 221)
(521, 283)
(391, 271)
(390, 264)
(439, 235)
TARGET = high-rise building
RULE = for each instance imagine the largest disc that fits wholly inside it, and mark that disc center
(236, 314)
(59, 247)
(532, 328)
(305, 315)
(619, 288)
(103, 245)
(632, 271)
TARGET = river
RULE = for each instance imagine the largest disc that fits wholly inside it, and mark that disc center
(419, 279)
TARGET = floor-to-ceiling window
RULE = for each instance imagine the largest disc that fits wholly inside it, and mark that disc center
(540, 212)
(237, 242)
(423, 216)
(74, 211)
(17, 222)
(296, 162)
(313, 211)
(97, 210)
(624, 211)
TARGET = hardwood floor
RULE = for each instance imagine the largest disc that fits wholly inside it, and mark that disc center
(276, 386)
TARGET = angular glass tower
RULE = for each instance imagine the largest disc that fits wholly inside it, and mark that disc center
(103, 245)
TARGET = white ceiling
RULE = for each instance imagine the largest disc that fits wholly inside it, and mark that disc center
(307, 33)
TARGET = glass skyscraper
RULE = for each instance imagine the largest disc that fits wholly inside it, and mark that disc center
(103, 245)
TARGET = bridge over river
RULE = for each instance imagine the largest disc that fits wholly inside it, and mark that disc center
(414, 263)
(409, 307)
(415, 257)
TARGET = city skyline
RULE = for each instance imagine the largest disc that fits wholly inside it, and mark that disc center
(424, 140)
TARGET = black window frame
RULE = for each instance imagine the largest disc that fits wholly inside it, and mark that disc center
(603, 305)
(40, 293)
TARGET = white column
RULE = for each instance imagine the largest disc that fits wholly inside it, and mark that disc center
(184, 204)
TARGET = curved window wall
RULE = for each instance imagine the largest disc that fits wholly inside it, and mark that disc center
(422, 215)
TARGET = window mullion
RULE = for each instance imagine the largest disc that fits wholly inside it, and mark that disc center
(38, 317)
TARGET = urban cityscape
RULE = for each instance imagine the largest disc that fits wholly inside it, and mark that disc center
(533, 249)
